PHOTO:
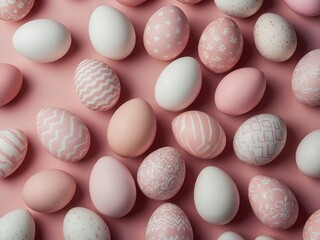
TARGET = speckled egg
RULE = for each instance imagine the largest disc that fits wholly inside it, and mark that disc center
(190, 1)
(15, 10)
(220, 45)
(272, 202)
(166, 33)
(161, 174)
(311, 229)
(239, 8)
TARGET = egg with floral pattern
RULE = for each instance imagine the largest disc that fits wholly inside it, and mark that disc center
(11, 11)
(311, 229)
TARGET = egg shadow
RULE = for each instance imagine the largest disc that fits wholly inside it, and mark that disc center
(247, 53)
(37, 7)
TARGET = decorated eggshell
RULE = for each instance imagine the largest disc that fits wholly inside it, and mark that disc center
(306, 79)
(97, 85)
(13, 149)
(168, 221)
(11, 11)
(131, 3)
(220, 45)
(308, 8)
(272, 202)
(230, 236)
(166, 33)
(62, 134)
(199, 134)
(17, 225)
(190, 1)
(82, 224)
(311, 229)
(260, 139)
(239, 8)
(161, 174)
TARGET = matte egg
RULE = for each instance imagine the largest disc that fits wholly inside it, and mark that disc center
(132, 128)
(166, 33)
(274, 37)
(262, 237)
(48, 191)
(42, 40)
(220, 45)
(305, 80)
(11, 11)
(308, 8)
(62, 134)
(230, 236)
(272, 202)
(131, 3)
(112, 188)
(311, 229)
(240, 91)
(199, 134)
(260, 139)
(169, 221)
(239, 8)
(111, 33)
(190, 1)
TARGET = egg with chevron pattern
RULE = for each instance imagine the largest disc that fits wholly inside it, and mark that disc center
(62, 134)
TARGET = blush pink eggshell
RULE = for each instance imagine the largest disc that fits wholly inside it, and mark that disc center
(15, 10)
(308, 8)
(220, 45)
(169, 221)
(166, 33)
(190, 1)
(199, 134)
(240, 91)
(10, 83)
(311, 229)
(112, 188)
(62, 134)
(13, 149)
(131, 3)
(132, 128)
(272, 202)
(97, 85)
(161, 174)
(305, 80)
(48, 191)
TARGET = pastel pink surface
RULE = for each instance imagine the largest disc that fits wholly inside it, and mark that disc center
(311, 229)
(15, 10)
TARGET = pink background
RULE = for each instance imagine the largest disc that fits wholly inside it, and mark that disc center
(52, 85)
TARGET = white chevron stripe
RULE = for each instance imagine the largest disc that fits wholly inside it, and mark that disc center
(107, 100)
(99, 74)
(64, 139)
(76, 147)
(100, 87)
(102, 94)
(92, 83)
(52, 126)
(43, 122)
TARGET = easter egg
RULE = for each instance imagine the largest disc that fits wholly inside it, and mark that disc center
(311, 229)
(11, 11)
(239, 8)
(308, 8)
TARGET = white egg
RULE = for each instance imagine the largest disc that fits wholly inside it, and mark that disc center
(262, 237)
(42, 40)
(230, 236)
(178, 84)
(239, 8)
(111, 33)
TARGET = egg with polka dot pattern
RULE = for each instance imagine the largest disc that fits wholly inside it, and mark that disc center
(239, 8)
(12, 11)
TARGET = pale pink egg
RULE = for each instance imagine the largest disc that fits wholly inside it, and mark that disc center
(15, 10)
(131, 3)
(311, 229)
(62, 134)
(161, 174)
(190, 1)
(305, 81)
(169, 221)
(166, 33)
(199, 134)
(220, 45)
(97, 85)
(272, 202)
(308, 8)
(13, 149)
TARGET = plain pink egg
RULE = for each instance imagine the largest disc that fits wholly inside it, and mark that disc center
(131, 3)
(308, 8)
(11, 11)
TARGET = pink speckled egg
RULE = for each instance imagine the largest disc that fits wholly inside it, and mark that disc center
(220, 45)
(260, 139)
(166, 33)
(62, 134)
(161, 174)
(305, 80)
(190, 1)
(311, 229)
(15, 10)
(272, 202)
(13, 149)
(131, 3)
(308, 8)
(168, 221)
(97, 85)
(199, 134)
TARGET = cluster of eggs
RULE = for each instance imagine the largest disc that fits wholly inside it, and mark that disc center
(258, 141)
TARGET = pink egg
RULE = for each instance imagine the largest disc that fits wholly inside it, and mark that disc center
(13, 149)
(199, 134)
(62, 134)
(220, 45)
(161, 174)
(168, 221)
(131, 3)
(190, 1)
(272, 202)
(311, 229)
(10, 83)
(166, 33)
(15, 10)
(97, 85)
(308, 8)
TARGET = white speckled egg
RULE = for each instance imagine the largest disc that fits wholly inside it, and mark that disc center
(11, 11)
(230, 236)
(311, 229)
(239, 8)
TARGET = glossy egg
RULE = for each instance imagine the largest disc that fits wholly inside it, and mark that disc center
(230, 236)
(220, 45)
(48, 191)
(11, 11)
(239, 8)
(97, 85)
(308, 8)
(311, 229)
(272, 202)
(62, 134)
(260, 139)
(240, 91)
(166, 33)
(199, 134)
(132, 128)
(168, 221)
(190, 1)
(112, 188)
(131, 3)
(305, 80)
